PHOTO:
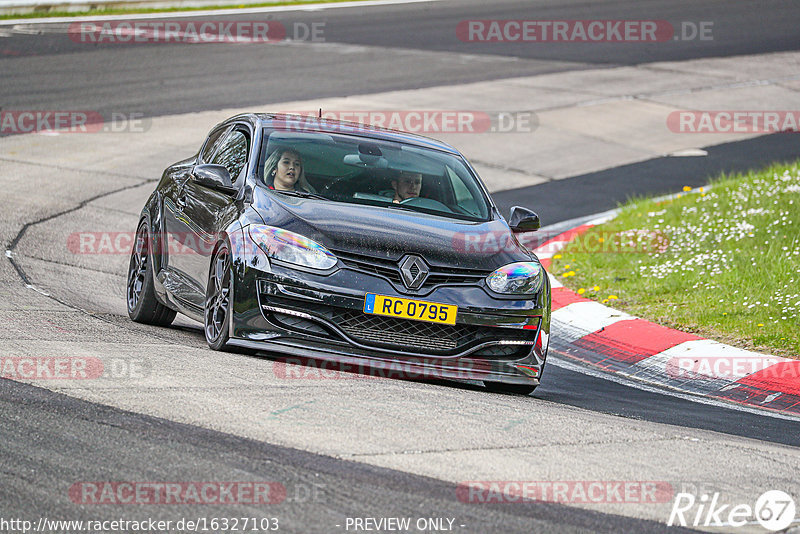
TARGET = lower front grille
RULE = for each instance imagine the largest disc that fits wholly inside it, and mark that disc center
(430, 338)
(502, 351)
(394, 334)
(401, 332)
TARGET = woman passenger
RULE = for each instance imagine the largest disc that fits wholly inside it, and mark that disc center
(283, 171)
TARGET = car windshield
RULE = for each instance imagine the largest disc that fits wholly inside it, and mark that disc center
(358, 170)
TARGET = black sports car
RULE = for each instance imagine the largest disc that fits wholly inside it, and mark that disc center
(343, 243)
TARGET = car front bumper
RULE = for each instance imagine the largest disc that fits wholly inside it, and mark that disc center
(309, 315)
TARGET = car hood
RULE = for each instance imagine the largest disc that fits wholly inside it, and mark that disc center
(391, 233)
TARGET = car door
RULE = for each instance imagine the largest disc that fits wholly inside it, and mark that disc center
(202, 212)
(175, 226)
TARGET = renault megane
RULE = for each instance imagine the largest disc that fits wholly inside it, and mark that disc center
(346, 243)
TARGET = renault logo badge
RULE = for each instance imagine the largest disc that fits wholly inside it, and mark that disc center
(413, 271)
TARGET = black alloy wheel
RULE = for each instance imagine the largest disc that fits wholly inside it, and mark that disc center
(218, 299)
(143, 306)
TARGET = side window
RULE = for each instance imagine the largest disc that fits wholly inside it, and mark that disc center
(208, 147)
(232, 153)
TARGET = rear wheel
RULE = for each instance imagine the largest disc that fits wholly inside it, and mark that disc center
(512, 389)
(218, 299)
(143, 307)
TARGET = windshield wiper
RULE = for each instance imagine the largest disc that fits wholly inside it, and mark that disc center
(429, 211)
(301, 194)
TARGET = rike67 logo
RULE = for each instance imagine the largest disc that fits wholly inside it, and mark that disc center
(774, 510)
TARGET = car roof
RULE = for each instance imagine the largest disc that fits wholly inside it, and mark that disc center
(313, 124)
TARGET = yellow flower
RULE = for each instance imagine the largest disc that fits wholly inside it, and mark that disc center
(678, 195)
(581, 291)
(566, 266)
(596, 288)
(687, 188)
(724, 313)
(557, 257)
(760, 324)
(605, 300)
(613, 297)
(701, 189)
(600, 239)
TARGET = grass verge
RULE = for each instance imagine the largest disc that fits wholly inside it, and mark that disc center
(723, 262)
(133, 11)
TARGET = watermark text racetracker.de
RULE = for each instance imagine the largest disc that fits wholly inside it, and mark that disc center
(181, 243)
(565, 491)
(734, 121)
(73, 368)
(297, 368)
(174, 244)
(170, 243)
(72, 122)
(194, 32)
(184, 524)
(594, 241)
(177, 492)
(582, 31)
(731, 367)
(422, 121)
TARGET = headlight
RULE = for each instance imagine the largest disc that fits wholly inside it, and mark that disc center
(522, 278)
(290, 247)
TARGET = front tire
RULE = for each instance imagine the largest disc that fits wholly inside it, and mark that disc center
(510, 389)
(143, 306)
(218, 299)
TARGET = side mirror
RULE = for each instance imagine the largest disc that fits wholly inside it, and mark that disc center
(523, 220)
(214, 176)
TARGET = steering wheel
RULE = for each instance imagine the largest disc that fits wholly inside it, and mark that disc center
(426, 203)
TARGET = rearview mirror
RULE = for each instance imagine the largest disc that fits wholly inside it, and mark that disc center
(523, 220)
(214, 176)
(366, 161)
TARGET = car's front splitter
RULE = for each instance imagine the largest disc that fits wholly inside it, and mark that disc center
(463, 369)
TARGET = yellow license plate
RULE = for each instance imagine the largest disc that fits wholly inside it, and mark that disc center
(420, 310)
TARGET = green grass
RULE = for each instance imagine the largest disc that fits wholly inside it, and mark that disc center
(723, 263)
(129, 11)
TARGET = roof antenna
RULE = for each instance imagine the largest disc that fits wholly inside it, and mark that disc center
(320, 113)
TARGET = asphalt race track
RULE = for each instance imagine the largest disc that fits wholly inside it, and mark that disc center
(357, 447)
(396, 47)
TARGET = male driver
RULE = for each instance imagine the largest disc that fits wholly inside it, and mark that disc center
(406, 185)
